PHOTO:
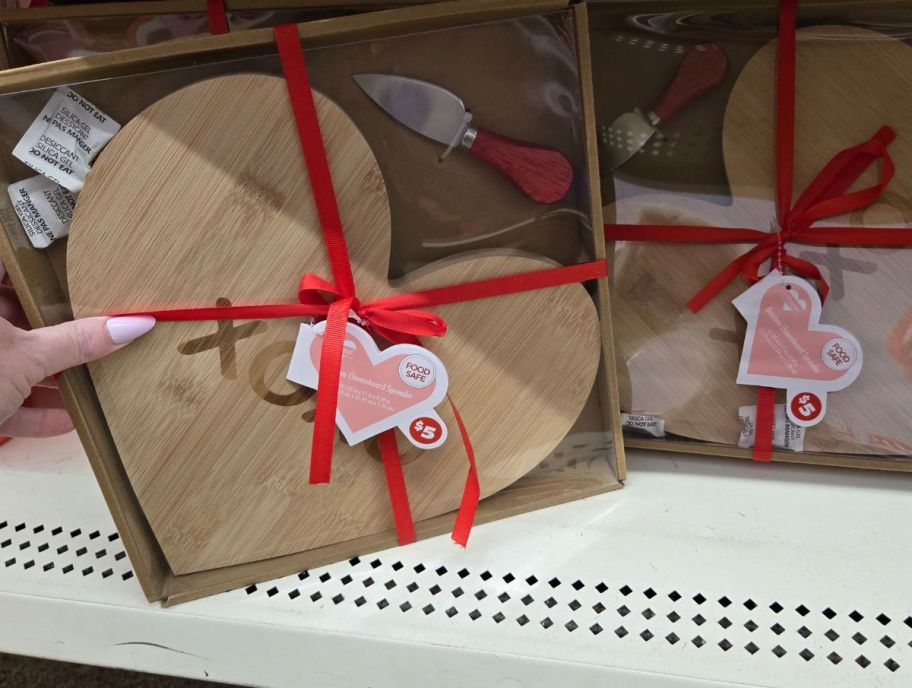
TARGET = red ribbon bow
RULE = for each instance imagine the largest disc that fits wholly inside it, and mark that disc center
(391, 318)
(398, 318)
(826, 196)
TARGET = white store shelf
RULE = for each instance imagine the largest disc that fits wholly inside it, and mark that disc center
(699, 571)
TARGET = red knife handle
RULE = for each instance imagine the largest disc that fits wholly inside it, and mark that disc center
(542, 174)
(701, 70)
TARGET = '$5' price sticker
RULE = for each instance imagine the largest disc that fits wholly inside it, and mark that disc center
(426, 432)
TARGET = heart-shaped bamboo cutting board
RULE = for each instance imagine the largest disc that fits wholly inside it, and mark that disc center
(850, 82)
(204, 197)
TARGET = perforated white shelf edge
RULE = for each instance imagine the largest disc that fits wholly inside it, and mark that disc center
(699, 571)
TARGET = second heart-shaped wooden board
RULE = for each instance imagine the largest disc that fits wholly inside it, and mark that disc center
(850, 82)
(204, 197)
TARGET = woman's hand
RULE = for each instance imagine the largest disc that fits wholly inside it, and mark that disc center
(30, 358)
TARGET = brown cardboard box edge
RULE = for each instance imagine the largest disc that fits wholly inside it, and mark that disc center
(722, 451)
(313, 34)
(137, 7)
(153, 573)
(11, 18)
(608, 379)
(519, 498)
(140, 7)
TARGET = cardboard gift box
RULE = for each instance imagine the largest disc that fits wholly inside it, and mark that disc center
(55, 31)
(199, 443)
(694, 196)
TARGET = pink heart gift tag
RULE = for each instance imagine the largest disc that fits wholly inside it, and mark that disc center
(786, 347)
(378, 390)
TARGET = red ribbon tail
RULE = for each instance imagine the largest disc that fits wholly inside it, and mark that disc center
(465, 517)
(324, 434)
(395, 485)
(218, 19)
(763, 431)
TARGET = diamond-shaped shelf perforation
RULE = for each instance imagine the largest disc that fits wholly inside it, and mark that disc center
(638, 614)
(52, 550)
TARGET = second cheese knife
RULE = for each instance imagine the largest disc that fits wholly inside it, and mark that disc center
(542, 174)
(701, 70)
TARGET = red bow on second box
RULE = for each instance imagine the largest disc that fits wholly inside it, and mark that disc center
(825, 196)
(396, 318)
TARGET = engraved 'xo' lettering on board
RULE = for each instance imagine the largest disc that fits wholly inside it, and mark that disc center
(837, 265)
(262, 373)
(260, 368)
(225, 339)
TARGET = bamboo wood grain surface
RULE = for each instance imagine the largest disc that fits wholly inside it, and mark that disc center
(203, 197)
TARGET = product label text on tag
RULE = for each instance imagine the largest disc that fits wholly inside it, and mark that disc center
(786, 346)
(378, 390)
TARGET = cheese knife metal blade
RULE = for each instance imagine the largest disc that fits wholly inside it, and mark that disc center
(701, 70)
(542, 174)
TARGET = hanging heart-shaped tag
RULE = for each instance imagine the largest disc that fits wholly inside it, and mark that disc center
(378, 390)
(786, 347)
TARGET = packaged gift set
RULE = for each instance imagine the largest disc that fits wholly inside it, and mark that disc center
(57, 31)
(374, 247)
(756, 176)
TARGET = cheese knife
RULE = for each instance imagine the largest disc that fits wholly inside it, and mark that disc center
(701, 70)
(542, 174)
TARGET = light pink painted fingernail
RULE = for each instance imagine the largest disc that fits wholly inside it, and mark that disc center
(128, 327)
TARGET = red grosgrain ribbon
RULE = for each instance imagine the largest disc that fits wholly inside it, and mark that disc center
(763, 440)
(395, 485)
(398, 318)
(826, 196)
(218, 19)
(471, 493)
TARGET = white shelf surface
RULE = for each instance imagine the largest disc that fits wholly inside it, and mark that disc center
(700, 572)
